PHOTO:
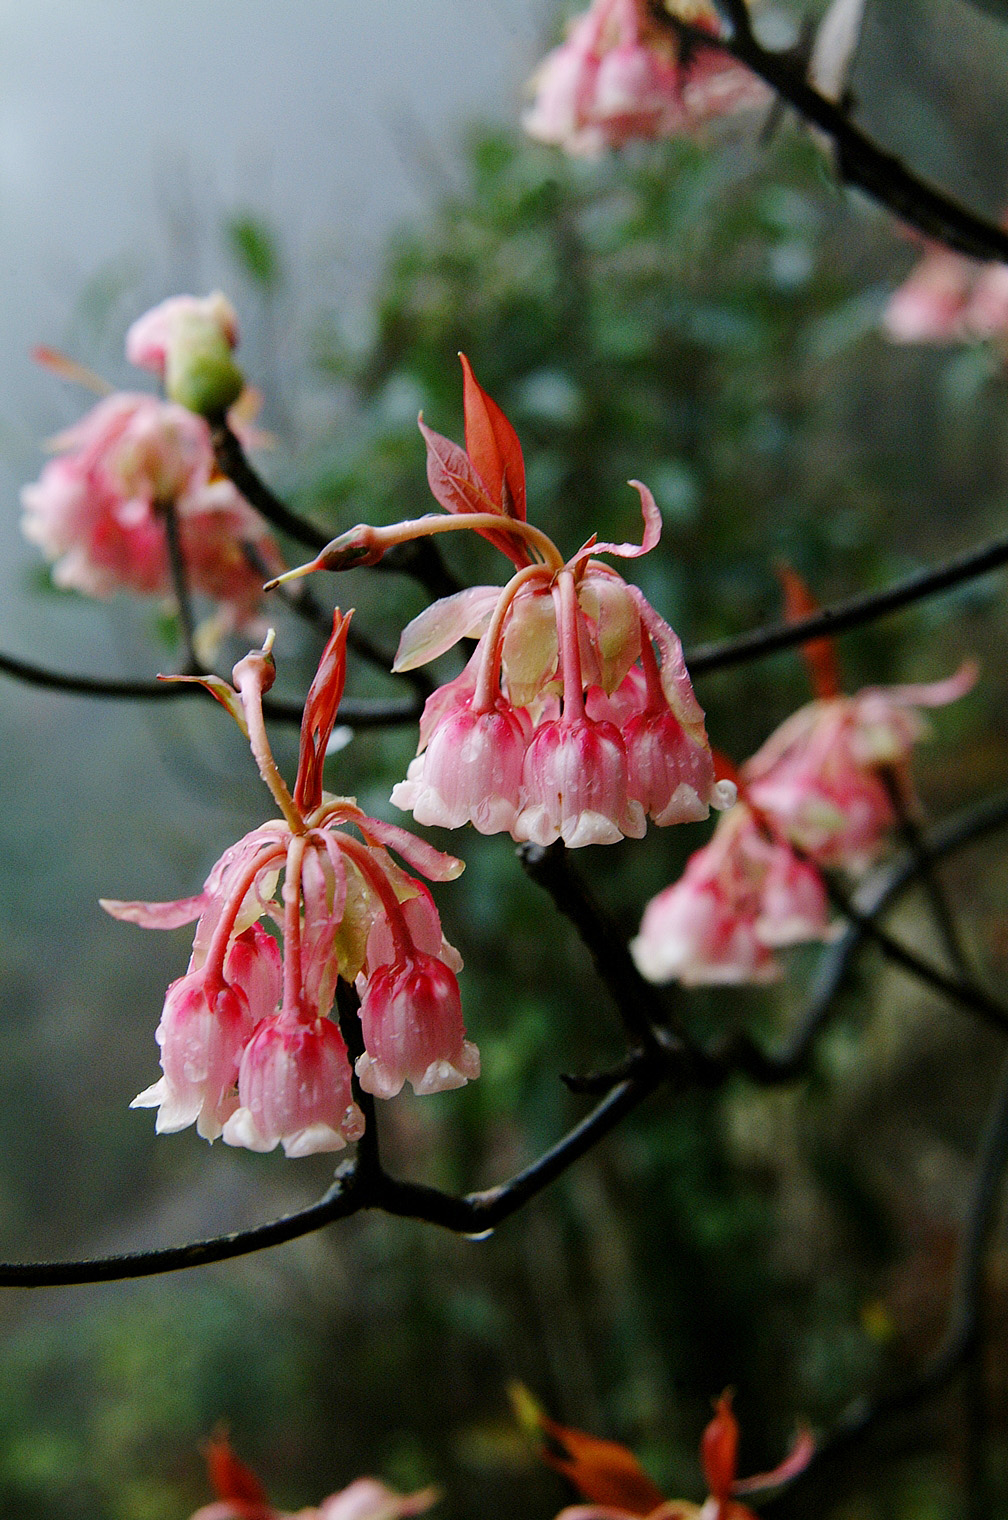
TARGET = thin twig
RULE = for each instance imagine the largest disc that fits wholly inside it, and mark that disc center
(860, 160)
(867, 607)
(356, 713)
(180, 584)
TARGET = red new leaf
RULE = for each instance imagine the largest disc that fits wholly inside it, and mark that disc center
(493, 447)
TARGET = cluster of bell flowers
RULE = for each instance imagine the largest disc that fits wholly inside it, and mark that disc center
(822, 793)
(242, 1496)
(949, 298)
(618, 76)
(98, 510)
(574, 719)
(248, 1048)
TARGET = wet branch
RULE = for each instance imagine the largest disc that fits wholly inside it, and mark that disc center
(860, 160)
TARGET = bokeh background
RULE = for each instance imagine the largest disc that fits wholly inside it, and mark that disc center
(703, 315)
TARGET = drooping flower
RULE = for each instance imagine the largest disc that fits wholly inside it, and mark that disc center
(241, 1495)
(575, 718)
(618, 76)
(187, 341)
(948, 298)
(248, 1047)
(741, 897)
(821, 777)
(617, 1487)
(98, 510)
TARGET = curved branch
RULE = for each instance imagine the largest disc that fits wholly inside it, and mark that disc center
(860, 160)
(357, 713)
(961, 1340)
(361, 1183)
(867, 607)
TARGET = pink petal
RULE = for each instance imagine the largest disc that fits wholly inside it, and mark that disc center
(440, 626)
(423, 857)
(157, 915)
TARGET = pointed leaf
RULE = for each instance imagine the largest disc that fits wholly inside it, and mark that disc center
(820, 654)
(459, 489)
(421, 856)
(443, 623)
(156, 915)
(323, 700)
(450, 474)
(493, 446)
(719, 1450)
(218, 688)
(230, 1478)
(604, 1472)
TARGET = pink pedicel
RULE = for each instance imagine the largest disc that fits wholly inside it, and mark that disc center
(248, 1045)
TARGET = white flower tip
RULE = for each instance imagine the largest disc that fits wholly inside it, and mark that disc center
(443, 1076)
(312, 1140)
(724, 794)
(377, 1079)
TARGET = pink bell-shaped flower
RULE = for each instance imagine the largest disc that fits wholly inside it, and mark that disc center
(741, 896)
(201, 1034)
(575, 785)
(471, 771)
(411, 1018)
(294, 1089)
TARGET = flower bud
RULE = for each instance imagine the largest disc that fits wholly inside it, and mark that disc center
(189, 343)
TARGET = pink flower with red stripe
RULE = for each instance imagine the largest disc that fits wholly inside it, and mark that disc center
(249, 1047)
(575, 718)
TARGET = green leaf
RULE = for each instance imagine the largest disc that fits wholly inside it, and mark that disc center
(254, 248)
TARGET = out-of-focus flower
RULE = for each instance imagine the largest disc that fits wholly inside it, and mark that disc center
(248, 1048)
(618, 76)
(98, 510)
(188, 342)
(241, 1496)
(740, 898)
(575, 718)
(949, 298)
(820, 778)
(609, 1476)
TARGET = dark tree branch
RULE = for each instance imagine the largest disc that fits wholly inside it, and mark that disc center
(362, 1183)
(962, 1336)
(362, 713)
(853, 613)
(966, 995)
(860, 161)
(231, 461)
(180, 584)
